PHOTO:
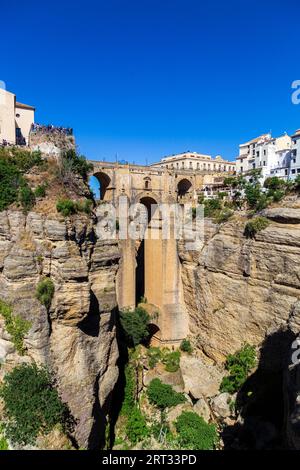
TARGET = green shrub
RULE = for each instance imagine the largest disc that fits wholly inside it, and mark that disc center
(223, 215)
(10, 180)
(274, 183)
(263, 202)
(136, 429)
(171, 360)
(162, 395)
(45, 291)
(211, 206)
(14, 163)
(154, 355)
(221, 195)
(129, 391)
(194, 433)
(253, 194)
(26, 197)
(85, 206)
(239, 365)
(135, 325)
(278, 195)
(40, 190)
(76, 163)
(31, 404)
(255, 225)
(201, 198)
(3, 441)
(186, 346)
(66, 207)
(15, 326)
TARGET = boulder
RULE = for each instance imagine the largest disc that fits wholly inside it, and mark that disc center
(221, 405)
(202, 409)
(200, 379)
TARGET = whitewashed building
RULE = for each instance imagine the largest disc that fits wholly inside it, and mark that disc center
(272, 155)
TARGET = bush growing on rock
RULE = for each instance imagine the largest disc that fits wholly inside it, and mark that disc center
(31, 404)
(135, 325)
(162, 395)
(194, 433)
(186, 346)
(257, 224)
(239, 365)
(15, 326)
(171, 360)
(136, 429)
(68, 207)
(45, 291)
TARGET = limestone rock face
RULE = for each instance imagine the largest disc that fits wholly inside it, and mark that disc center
(76, 338)
(239, 290)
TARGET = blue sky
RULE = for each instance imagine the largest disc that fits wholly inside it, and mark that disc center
(149, 78)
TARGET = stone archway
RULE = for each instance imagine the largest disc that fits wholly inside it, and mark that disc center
(184, 187)
(104, 182)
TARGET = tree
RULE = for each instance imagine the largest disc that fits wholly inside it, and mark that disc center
(194, 433)
(135, 325)
(31, 404)
(239, 365)
(162, 395)
(45, 291)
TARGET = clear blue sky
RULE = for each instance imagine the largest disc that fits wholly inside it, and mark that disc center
(147, 78)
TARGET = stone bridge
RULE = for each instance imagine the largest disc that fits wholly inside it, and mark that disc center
(150, 268)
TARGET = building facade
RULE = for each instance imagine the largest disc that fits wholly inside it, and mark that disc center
(295, 155)
(271, 155)
(196, 162)
(16, 120)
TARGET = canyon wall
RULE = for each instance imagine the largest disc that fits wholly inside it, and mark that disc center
(76, 338)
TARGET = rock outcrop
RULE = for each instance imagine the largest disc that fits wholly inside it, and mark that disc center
(239, 290)
(76, 338)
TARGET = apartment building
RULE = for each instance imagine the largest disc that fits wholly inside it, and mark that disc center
(196, 162)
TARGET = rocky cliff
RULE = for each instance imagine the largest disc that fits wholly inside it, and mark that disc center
(240, 290)
(76, 337)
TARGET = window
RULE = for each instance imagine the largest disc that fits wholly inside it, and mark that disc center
(298, 170)
(264, 163)
(265, 152)
(17, 115)
(182, 164)
(285, 172)
(293, 171)
(241, 169)
(146, 184)
(253, 166)
(198, 166)
(257, 154)
(191, 165)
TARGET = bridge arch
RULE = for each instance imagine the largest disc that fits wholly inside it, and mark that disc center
(104, 181)
(184, 187)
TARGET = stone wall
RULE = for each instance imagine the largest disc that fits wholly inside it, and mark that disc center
(77, 337)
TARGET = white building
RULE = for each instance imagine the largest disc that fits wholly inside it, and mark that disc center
(295, 158)
(266, 153)
(16, 119)
(196, 162)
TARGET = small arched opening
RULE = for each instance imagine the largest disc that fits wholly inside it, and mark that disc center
(183, 188)
(154, 335)
(99, 183)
